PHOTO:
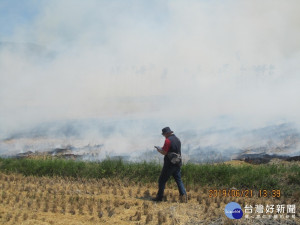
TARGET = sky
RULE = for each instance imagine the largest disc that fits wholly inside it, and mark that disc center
(196, 64)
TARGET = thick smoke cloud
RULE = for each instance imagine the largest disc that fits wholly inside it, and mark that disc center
(192, 66)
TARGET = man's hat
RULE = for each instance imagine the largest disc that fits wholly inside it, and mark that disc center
(166, 130)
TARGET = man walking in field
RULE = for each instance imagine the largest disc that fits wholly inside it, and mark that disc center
(172, 163)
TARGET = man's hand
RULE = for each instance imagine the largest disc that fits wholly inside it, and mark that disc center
(159, 149)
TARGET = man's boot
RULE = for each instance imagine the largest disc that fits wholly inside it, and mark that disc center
(183, 198)
(157, 199)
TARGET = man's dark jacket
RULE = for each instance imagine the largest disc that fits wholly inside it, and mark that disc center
(174, 147)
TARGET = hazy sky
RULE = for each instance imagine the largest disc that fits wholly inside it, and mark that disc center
(193, 61)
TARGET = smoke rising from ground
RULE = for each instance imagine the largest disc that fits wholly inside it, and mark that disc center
(201, 65)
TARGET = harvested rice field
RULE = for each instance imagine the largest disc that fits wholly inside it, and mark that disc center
(57, 200)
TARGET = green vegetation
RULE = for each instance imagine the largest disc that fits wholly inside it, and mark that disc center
(264, 176)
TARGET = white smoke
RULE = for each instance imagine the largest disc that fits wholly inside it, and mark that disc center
(196, 65)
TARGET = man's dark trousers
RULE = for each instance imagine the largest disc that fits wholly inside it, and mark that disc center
(167, 171)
